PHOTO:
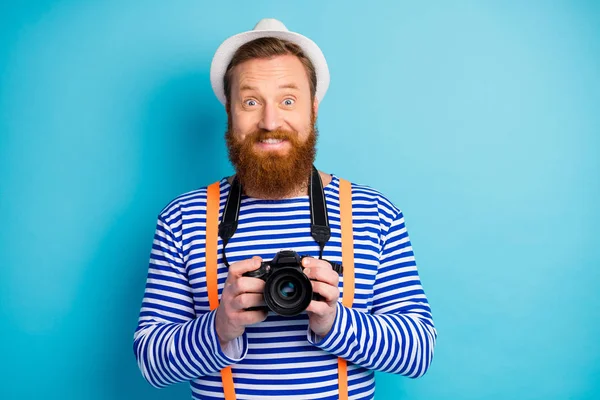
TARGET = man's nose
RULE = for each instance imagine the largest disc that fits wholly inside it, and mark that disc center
(271, 118)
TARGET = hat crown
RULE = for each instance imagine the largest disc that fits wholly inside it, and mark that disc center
(267, 27)
(270, 24)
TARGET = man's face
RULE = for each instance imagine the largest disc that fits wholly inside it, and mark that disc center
(271, 136)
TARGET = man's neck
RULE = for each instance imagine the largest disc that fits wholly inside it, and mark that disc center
(300, 191)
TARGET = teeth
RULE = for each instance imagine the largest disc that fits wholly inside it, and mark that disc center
(271, 141)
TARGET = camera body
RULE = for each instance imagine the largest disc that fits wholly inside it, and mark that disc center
(288, 291)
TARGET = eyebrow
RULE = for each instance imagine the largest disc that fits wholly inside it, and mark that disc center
(289, 86)
(284, 86)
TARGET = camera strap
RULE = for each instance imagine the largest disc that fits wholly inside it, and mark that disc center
(319, 220)
(320, 231)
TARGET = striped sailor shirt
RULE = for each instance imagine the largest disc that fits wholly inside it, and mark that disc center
(389, 327)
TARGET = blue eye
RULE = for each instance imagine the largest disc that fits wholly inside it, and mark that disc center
(289, 102)
(251, 103)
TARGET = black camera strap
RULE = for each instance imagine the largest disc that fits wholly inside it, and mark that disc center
(319, 220)
(231, 214)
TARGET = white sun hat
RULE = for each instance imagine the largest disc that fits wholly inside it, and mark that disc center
(267, 27)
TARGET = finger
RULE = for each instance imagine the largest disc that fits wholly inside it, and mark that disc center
(247, 300)
(316, 263)
(319, 308)
(330, 294)
(237, 269)
(246, 284)
(252, 317)
(321, 271)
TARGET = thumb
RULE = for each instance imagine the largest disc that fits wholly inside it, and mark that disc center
(241, 267)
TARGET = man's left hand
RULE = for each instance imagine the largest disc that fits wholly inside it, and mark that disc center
(321, 314)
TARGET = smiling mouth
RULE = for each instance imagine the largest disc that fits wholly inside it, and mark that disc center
(271, 141)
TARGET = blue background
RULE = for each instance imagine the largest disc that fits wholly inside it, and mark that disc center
(480, 120)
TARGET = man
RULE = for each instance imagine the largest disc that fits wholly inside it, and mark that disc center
(271, 82)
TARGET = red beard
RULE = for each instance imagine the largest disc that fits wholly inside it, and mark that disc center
(271, 175)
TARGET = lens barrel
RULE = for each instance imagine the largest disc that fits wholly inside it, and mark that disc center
(288, 291)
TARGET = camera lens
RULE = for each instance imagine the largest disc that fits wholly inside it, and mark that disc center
(287, 289)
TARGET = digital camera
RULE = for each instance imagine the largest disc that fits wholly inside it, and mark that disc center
(288, 290)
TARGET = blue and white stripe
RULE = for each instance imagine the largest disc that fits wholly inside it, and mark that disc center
(389, 328)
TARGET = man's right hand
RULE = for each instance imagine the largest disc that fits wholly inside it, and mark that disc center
(239, 293)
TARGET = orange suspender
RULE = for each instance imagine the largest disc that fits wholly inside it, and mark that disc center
(348, 264)
(212, 228)
(212, 235)
(212, 224)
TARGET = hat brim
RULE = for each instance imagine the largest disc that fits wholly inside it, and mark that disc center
(227, 49)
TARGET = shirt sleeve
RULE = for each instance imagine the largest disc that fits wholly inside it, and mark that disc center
(171, 343)
(398, 336)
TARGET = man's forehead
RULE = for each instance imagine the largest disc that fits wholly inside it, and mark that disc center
(284, 72)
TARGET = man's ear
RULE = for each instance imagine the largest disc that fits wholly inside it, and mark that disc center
(316, 107)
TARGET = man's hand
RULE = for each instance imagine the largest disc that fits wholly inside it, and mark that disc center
(324, 279)
(239, 293)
